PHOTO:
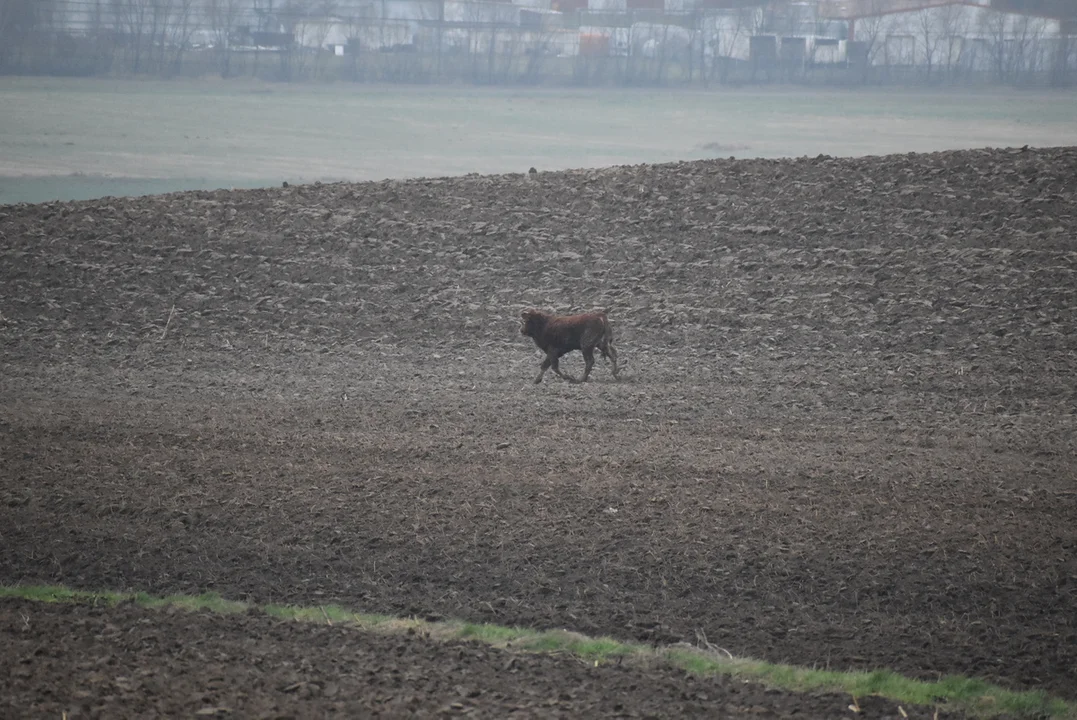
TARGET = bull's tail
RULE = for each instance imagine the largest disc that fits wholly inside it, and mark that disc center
(605, 343)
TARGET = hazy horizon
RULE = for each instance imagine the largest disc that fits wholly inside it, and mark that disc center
(65, 139)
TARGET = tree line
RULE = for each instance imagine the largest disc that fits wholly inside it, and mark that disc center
(288, 40)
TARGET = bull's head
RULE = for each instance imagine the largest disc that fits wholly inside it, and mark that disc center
(534, 322)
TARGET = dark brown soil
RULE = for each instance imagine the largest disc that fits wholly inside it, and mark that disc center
(129, 662)
(845, 434)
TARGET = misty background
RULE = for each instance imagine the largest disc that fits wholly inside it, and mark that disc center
(581, 42)
(130, 97)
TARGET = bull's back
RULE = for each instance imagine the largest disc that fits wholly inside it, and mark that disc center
(571, 332)
(592, 329)
(567, 333)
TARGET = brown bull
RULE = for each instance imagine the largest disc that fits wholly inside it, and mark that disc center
(557, 335)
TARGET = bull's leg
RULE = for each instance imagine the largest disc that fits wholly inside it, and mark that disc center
(543, 368)
(613, 357)
(589, 362)
(609, 353)
(551, 361)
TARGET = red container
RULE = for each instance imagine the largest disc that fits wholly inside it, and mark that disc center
(593, 45)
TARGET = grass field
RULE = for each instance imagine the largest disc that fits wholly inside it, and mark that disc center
(957, 693)
(78, 139)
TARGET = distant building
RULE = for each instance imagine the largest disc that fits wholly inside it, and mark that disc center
(1006, 35)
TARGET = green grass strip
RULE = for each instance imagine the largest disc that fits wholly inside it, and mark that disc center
(975, 697)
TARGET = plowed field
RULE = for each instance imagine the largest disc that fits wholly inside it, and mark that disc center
(845, 433)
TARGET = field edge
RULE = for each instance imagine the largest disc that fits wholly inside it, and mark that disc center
(973, 696)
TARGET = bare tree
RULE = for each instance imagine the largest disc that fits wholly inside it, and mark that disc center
(537, 51)
(19, 21)
(993, 28)
(474, 17)
(323, 17)
(180, 26)
(635, 63)
(952, 27)
(223, 16)
(157, 14)
(511, 48)
(353, 31)
(695, 42)
(931, 37)
(1062, 60)
(383, 26)
(1026, 36)
(432, 14)
(491, 49)
(102, 39)
(743, 20)
(303, 19)
(662, 50)
(132, 20)
(872, 31)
